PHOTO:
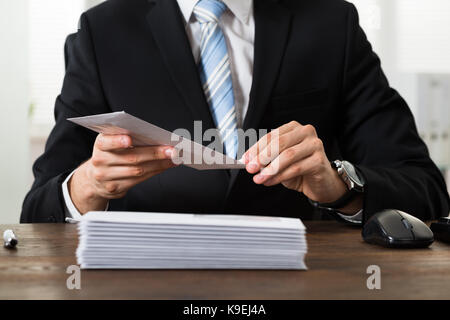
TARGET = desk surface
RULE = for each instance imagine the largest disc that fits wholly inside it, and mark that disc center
(337, 261)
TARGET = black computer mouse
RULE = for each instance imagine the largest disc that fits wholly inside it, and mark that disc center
(397, 229)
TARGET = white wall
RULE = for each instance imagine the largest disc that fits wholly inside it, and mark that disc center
(14, 103)
(379, 20)
(424, 36)
(91, 3)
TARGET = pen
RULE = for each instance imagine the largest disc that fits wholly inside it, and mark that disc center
(10, 239)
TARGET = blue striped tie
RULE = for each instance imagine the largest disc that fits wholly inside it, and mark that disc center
(215, 73)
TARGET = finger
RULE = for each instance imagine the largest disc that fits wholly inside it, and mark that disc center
(277, 147)
(117, 189)
(304, 167)
(145, 170)
(251, 154)
(135, 156)
(112, 142)
(295, 135)
(288, 157)
(254, 150)
(269, 147)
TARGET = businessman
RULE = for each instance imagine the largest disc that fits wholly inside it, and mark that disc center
(303, 67)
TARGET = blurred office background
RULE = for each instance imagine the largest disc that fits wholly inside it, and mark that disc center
(412, 37)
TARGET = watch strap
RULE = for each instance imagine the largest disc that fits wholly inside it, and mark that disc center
(338, 204)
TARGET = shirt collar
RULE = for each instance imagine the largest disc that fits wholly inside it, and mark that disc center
(240, 8)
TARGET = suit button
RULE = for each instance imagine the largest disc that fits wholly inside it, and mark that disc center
(52, 219)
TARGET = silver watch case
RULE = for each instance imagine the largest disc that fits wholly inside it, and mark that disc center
(349, 175)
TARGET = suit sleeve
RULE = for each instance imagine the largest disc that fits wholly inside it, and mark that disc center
(380, 138)
(68, 144)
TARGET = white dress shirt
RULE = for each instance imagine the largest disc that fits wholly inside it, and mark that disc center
(238, 26)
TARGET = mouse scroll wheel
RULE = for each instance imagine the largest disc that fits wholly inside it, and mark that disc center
(407, 224)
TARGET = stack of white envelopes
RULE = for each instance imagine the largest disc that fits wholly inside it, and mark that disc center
(132, 240)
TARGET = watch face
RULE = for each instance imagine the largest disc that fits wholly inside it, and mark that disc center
(352, 174)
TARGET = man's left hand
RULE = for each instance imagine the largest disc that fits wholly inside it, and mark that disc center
(294, 156)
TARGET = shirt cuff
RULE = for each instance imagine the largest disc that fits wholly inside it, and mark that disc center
(71, 212)
(355, 219)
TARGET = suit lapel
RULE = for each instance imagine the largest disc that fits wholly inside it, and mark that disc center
(272, 26)
(272, 22)
(169, 32)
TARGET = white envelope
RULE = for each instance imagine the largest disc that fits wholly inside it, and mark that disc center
(147, 134)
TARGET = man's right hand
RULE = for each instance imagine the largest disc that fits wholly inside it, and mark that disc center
(115, 167)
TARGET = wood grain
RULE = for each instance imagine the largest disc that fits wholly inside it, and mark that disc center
(337, 261)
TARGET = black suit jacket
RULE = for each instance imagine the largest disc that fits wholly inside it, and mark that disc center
(312, 64)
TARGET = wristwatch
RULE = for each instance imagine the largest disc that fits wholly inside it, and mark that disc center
(354, 182)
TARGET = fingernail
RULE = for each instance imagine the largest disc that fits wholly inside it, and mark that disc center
(253, 166)
(246, 158)
(124, 141)
(168, 153)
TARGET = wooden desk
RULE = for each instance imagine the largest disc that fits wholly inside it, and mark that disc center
(337, 262)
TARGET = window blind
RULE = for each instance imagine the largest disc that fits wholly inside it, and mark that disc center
(423, 28)
(50, 23)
